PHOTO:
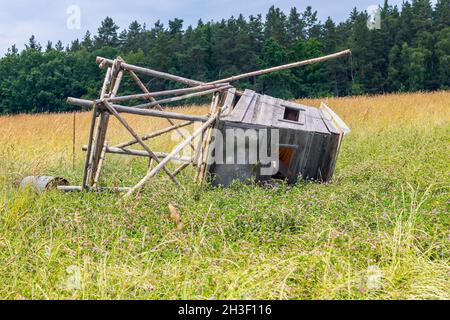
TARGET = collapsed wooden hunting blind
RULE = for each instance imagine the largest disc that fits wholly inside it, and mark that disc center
(308, 138)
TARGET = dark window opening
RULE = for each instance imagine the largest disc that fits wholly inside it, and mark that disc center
(291, 114)
(285, 157)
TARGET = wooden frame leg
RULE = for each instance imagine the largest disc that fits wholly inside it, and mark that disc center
(113, 84)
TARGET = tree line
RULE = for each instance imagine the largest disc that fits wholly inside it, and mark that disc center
(410, 52)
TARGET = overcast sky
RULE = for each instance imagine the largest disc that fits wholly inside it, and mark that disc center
(47, 19)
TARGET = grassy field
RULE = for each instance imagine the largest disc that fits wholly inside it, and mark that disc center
(379, 230)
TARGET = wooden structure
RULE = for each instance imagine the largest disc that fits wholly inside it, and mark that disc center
(308, 139)
(229, 108)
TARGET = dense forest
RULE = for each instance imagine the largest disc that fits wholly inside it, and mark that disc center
(410, 52)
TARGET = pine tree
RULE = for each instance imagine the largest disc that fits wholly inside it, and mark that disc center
(309, 18)
(132, 39)
(75, 46)
(49, 46)
(87, 41)
(33, 44)
(441, 15)
(12, 51)
(59, 46)
(278, 83)
(295, 26)
(276, 26)
(413, 68)
(443, 57)
(395, 69)
(107, 34)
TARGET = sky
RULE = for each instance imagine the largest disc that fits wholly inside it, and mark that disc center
(57, 20)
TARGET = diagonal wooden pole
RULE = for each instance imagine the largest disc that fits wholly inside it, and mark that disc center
(152, 99)
(100, 164)
(153, 134)
(138, 138)
(147, 96)
(180, 168)
(183, 97)
(214, 110)
(171, 155)
(164, 75)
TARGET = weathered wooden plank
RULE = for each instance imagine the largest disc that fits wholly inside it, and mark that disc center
(241, 106)
(251, 109)
(228, 104)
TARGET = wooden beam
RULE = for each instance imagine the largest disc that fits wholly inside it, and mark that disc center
(100, 164)
(140, 153)
(284, 67)
(180, 168)
(172, 154)
(214, 110)
(142, 112)
(136, 136)
(148, 96)
(80, 102)
(183, 97)
(90, 141)
(99, 140)
(146, 71)
(149, 72)
(80, 188)
(152, 99)
(159, 114)
(154, 134)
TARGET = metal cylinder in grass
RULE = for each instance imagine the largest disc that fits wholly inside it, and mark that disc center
(42, 183)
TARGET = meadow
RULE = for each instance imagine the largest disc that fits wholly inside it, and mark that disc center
(379, 230)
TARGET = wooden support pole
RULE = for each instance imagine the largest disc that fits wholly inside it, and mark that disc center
(89, 148)
(80, 188)
(100, 164)
(141, 153)
(136, 136)
(179, 98)
(214, 110)
(152, 99)
(149, 72)
(159, 114)
(284, 67)
(153, 134)
(107, 62)
(99, 141)
(106, 82)
(148, 96)
(80, 102)
(142, 112)
(170, 156)
(180, 168)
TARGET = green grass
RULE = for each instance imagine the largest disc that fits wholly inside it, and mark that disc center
(386, 209)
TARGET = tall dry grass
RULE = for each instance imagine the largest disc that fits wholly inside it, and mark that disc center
(385, 214)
